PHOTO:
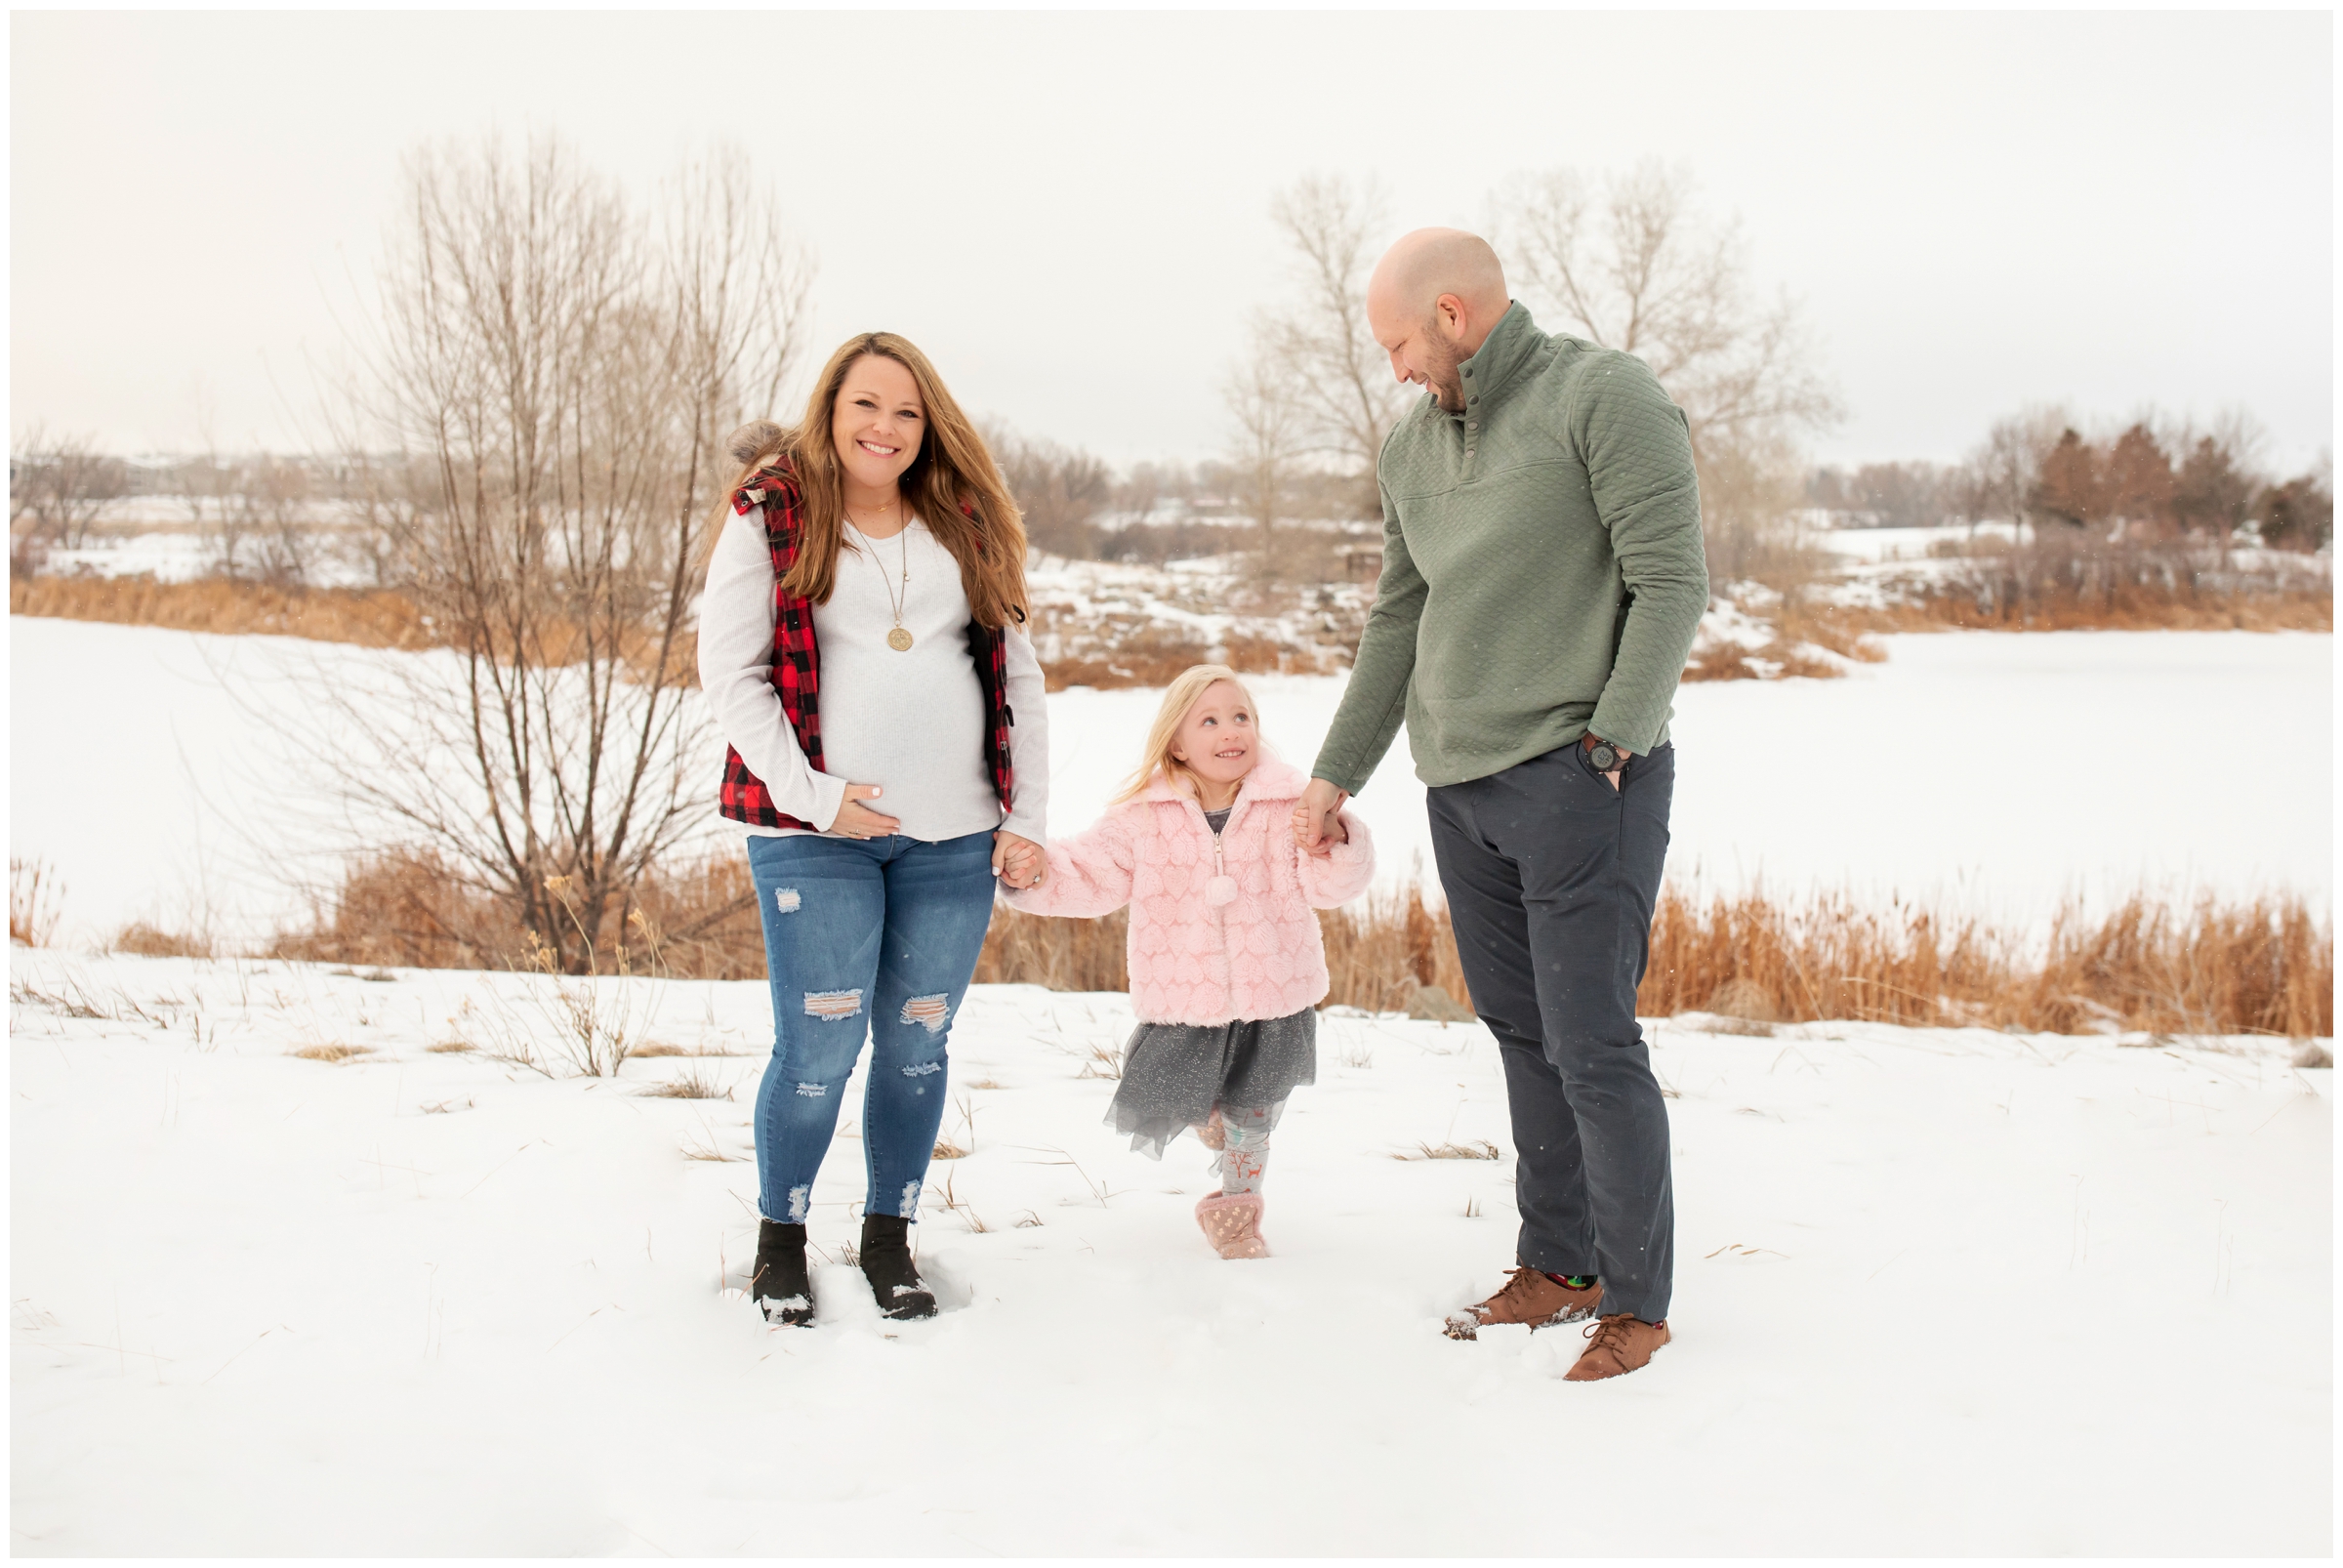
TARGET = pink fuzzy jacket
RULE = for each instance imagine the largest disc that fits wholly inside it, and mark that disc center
(1211, 939)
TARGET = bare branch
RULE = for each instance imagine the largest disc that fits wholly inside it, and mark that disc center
(556, 371)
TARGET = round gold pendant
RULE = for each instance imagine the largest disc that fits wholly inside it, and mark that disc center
(899, 639)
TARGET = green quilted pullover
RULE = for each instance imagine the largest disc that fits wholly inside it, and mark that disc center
(1542, 571)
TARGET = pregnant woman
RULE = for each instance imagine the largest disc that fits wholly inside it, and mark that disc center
(861, 650)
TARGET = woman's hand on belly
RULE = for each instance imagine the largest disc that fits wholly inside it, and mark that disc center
(855, 820)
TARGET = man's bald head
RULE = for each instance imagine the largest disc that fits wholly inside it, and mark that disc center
(1428, 262)
(1431, 303)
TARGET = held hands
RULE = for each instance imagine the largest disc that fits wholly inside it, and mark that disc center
(1317, 828)
(1017, 861)
(855, 820)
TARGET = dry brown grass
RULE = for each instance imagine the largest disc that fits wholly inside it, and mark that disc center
(2261, 967)
(1726, 661)
(1957, 609)
(1382, 947)
(332, 1052)
(1831, 633)
(143, 940)
(374, 619)
(409, 910)
(35, 898)
(1477, 1149)
(1146, 657)
(1063, 955)
(694, 1083)
(2264, 966)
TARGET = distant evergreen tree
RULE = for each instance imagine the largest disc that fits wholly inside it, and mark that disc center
(2212, 494)
(2071, 488)
(2299, 514)
(2136, 480)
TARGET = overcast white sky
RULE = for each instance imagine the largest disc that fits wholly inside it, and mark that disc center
(1069, 211)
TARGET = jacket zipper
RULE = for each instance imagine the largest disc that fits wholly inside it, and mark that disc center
(1228, 963)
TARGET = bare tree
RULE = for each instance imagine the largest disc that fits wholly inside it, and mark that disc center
(56, 485)
(1058, 488)
(389, 496)
(1267, 425)
(1344, 397)
(557, 371)
(268, 505)
(2003, 474)
(1630, 262)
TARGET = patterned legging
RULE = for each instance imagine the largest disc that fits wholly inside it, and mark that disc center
(1244, 1153)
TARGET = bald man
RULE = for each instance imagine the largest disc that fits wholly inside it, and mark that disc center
(1542, 578)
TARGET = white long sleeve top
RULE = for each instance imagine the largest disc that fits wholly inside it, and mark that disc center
(912, 723)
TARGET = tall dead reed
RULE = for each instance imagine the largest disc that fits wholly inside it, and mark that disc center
(411, 910)
(1063, 955)
(1382, 947)
(370, 618)
(2265, 966)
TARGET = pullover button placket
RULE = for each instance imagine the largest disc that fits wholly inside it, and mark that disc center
(1473, 426)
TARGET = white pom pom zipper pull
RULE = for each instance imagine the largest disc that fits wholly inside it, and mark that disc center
(1223, 887)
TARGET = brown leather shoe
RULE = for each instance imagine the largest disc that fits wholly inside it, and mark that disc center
(1529, 1297)
(1622, 1344)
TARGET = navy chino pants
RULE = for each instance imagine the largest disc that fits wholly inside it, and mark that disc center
(1551, 876)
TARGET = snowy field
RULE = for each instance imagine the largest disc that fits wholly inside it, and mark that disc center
(1937, 1293)
(1883, 545)
(1997, 772)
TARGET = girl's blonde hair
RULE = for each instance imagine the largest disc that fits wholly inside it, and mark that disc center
(954, 485)
(1181, 695)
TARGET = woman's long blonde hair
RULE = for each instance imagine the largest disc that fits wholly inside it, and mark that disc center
(954, 486)
(1182, 695)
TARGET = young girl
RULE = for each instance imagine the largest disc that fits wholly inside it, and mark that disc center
(1226, 964)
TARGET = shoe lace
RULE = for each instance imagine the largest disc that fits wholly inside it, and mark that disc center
(1608, 1335)
(1521, 1282)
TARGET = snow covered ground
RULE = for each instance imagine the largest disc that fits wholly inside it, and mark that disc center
(148, 536)
(1998, 771)
(1878, 546)
(1937, 1293)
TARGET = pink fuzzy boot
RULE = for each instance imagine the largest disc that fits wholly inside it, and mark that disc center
(1233, 1225)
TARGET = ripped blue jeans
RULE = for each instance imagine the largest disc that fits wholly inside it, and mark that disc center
(863, 938)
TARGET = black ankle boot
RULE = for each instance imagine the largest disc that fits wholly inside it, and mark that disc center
(779, 1285)
(886, 1264)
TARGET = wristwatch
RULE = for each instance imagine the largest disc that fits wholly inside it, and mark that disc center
(1602, 753)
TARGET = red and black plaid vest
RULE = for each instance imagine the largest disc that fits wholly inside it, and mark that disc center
(798, 663)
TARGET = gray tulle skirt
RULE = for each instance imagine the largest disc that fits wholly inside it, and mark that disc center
(1174, 1073)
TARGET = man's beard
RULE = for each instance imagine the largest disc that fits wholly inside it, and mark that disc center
(1447, 386)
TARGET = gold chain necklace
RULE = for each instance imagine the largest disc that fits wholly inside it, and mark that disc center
(899, 639)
